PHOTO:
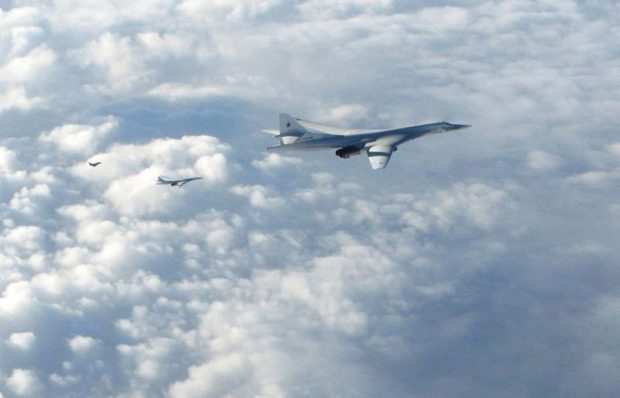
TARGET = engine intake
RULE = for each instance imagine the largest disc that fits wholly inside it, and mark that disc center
(346, 153)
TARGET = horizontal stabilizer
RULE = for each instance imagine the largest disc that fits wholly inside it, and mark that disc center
(270, 131)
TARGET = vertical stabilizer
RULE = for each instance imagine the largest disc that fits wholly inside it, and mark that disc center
(290, 126)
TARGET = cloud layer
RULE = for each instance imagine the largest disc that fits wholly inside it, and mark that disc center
(478, 264)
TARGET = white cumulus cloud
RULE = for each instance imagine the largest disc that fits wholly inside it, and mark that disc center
(461, 267)
(24, 382)
(79, 138)
(24, 340)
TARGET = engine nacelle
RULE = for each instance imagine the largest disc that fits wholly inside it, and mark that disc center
(346, 153)
(379, 156)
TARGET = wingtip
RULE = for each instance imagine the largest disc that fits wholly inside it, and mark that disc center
(452, 126)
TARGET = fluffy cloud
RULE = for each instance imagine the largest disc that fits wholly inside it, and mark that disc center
(114, 57)
(130, 172)
(467, 268)
(23, 340)
(273, 161)
(24, 382)
(16, 98)
(83, 345)
(217, 10)
(7, 160)
(219, 377)
(181, 276)
(79, 138)
(31, 67)
(258, 196)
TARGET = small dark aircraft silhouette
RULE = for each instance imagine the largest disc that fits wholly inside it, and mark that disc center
(94, 164)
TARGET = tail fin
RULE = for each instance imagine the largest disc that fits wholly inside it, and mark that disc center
(160, 180)
(290, 126)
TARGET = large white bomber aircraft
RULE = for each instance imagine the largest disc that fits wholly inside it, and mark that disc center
(302, 135)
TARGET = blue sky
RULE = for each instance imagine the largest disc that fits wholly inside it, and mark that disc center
(478, 264)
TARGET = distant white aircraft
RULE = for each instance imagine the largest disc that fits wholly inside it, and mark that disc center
(94, 164)
(302, 135)
(175, 183)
